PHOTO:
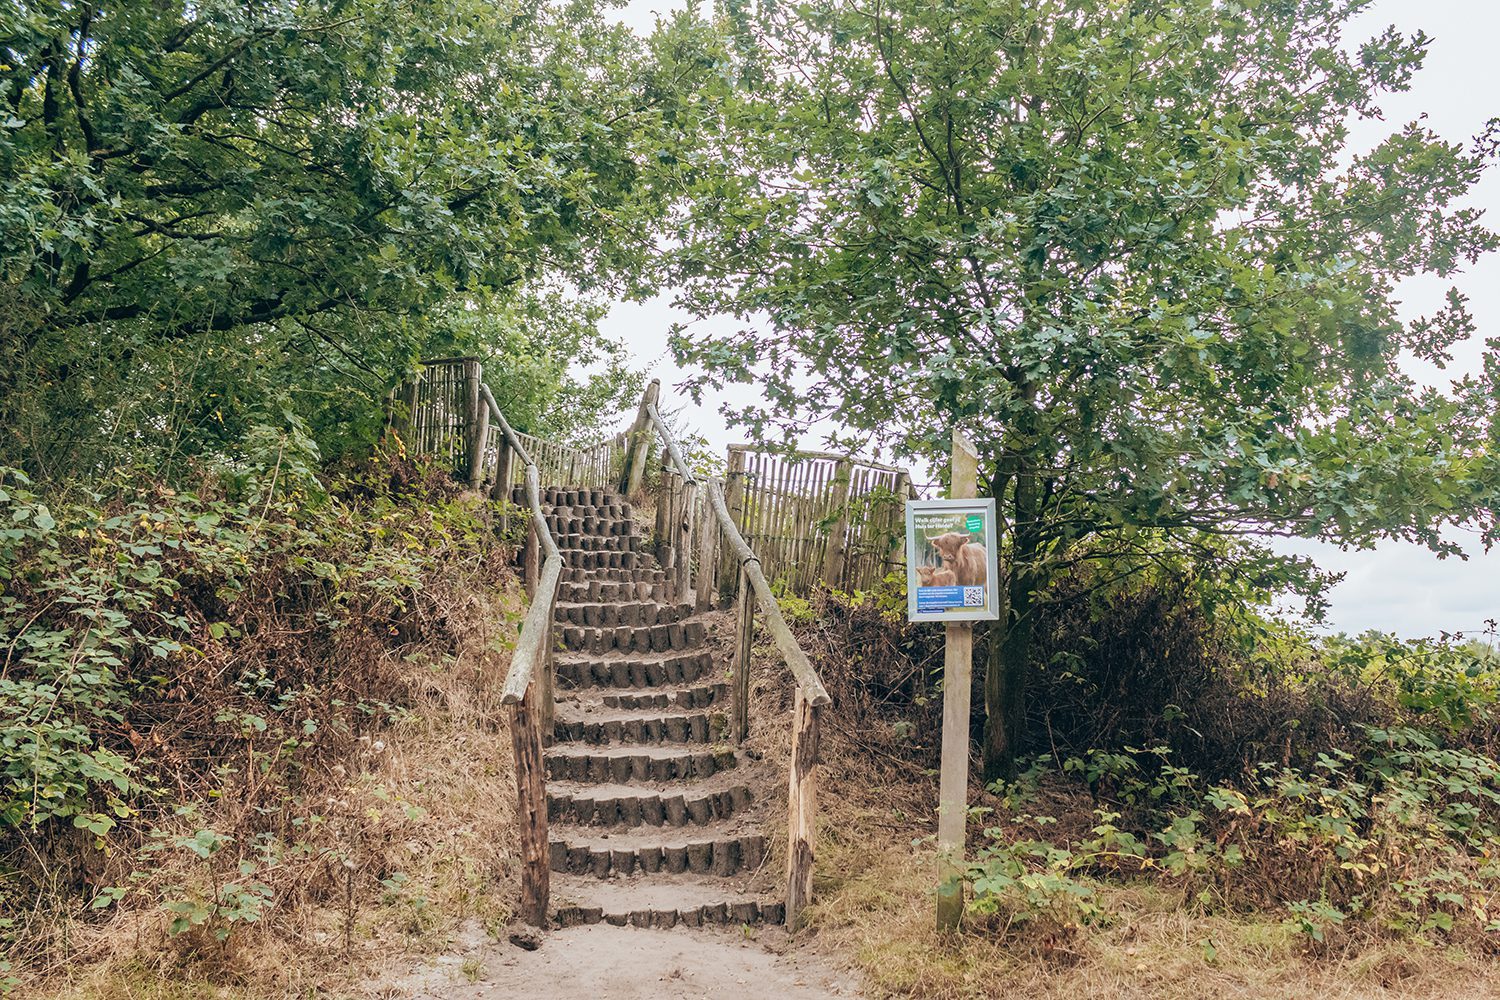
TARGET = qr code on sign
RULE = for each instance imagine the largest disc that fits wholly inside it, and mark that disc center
(973, 597)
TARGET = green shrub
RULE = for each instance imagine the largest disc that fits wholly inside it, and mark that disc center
(1403, 834)
(163, 648)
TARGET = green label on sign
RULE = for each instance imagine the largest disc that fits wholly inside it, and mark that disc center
(975, 523)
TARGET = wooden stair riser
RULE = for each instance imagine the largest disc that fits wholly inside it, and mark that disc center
(734, 914)
(593, 589)
(613, 574)
(559, 496)
(571, 544)
(643, 563)
(625, 768)
(648, 810)
(702, 696)
(721, 858)
(634, 638)
(635, 673)
(696, 728)
(564, 521)
(595, 614)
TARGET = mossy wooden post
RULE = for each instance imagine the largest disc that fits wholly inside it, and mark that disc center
(734, 500)
(476, 423)
(638, 445)
(958, 665)
(833, 559)
(744, 631)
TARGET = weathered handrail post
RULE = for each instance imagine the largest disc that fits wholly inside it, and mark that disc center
(476, 423)
(734, 499)
(684, 545)
(708, 555)
(833, 560)
(744, 632)
(638, 443)
(802, 805)
(663, 530)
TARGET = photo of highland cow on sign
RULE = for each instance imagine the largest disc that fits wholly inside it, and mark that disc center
(950, 560)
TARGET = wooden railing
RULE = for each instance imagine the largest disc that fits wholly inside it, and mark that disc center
(450, 412)
(685, 518)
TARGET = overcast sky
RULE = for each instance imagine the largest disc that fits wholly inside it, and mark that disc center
(1395, 587)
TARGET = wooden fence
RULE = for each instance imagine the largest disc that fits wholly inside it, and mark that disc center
(811, 517)
(816, 518)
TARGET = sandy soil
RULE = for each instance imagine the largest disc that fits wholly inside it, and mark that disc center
(601, 962)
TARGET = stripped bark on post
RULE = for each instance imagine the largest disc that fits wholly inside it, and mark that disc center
(802, 808)
(531, 809)
(744, 630)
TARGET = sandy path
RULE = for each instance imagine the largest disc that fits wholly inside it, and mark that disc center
(601, 962)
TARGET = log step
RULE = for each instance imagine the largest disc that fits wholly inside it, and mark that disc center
(637, 808)
(659, 901)
(604, 857)
(573, 496)
(567, 521)
(692, 727)
(634, 671)
(700, 696)
(579, 543)
(659, 638)
(614, 574)
(620, 612)
(574, 559)
(592, 589)
(626, 764)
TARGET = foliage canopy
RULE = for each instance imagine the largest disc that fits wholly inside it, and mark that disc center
(215, 208)
(1125, 246)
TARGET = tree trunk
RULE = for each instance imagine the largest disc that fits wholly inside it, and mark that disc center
(1010, 638)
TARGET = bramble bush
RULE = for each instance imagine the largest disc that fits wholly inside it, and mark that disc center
(1402, 834)
(228, 646)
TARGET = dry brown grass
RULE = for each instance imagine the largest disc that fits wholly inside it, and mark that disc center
(424, 812)
(874, 909)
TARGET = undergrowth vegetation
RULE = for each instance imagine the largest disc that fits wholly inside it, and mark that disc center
(1340, 795)
(215, 705)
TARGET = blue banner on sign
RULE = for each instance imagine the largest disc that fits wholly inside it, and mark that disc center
(930, 599)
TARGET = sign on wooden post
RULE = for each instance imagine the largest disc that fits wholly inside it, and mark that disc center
(951, 575)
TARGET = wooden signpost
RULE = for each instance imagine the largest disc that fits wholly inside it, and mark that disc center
(958, 665)
(952, 576)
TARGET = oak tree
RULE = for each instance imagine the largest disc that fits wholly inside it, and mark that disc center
(1126, 245)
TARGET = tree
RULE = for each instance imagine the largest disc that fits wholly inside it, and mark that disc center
(205, 204)
(1125, 245)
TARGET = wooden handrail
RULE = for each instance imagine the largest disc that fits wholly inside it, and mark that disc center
(791, 651)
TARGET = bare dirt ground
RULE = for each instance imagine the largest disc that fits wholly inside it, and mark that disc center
(602, 962)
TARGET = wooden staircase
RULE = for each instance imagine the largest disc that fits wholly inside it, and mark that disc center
(653, 818)
(627, 722)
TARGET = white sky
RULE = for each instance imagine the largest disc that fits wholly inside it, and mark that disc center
(1395, 587)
